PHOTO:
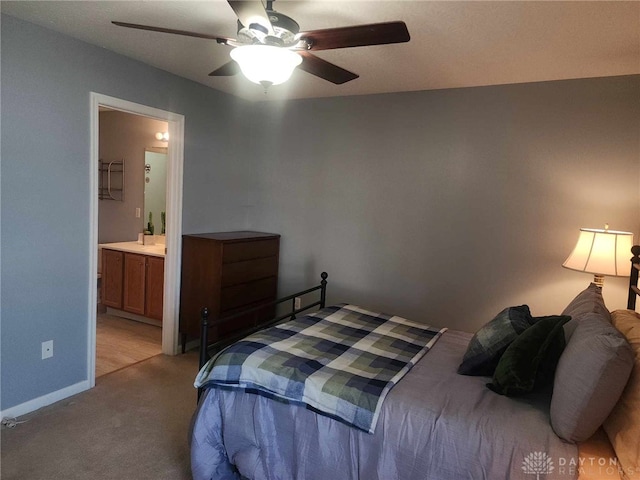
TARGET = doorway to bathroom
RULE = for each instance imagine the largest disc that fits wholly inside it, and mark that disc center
(137, 154)
(132, 183)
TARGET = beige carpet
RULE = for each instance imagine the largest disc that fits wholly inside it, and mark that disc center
(132, 426)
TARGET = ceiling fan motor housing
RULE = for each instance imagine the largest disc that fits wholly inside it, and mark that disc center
(283, 26)
(285, 30)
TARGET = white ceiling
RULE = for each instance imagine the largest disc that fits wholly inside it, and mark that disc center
(453, 44)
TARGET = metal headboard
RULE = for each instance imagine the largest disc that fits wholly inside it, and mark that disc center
(205, 347)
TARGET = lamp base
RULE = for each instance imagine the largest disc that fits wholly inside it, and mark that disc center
(598, 280)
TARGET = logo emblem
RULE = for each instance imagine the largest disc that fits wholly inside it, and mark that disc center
(537, 463)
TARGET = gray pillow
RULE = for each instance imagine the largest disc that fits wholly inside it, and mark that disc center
(489, 343)
(591, 374)
(588, 301)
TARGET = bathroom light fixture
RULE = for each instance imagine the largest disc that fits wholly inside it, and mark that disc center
(601, 252)
(266, 65)
(162, 136)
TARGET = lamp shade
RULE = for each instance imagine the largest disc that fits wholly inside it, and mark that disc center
(601, 252)
(265, 64)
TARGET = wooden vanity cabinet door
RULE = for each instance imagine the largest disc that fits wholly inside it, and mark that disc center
(154, 288)
(111, 282)
(134, 283)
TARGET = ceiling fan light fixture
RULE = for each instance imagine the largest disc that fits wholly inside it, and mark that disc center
(265, 64)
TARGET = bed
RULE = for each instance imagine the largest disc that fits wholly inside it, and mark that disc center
(434, 423)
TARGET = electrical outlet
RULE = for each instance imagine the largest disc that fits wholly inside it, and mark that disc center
(137, 212)
(298, 303)
(47, 349)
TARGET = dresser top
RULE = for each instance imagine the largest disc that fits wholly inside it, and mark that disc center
(235, 236)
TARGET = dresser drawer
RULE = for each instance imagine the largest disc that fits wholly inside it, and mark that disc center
(237, 252)
(249, 270)
(245, 293)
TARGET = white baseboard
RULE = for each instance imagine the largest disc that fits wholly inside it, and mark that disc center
(43, 401)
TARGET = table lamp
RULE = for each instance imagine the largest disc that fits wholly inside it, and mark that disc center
(601, 252)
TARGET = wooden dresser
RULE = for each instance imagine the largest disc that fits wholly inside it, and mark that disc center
(227, 272)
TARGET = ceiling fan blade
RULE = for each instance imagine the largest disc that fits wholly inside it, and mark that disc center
(356, 36)
(223, 40)
(252, 12)
(325, 70)
(226, 70)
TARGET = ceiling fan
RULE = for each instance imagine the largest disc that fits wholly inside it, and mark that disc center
(270, 45)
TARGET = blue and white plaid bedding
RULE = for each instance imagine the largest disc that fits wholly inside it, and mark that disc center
(341, 362)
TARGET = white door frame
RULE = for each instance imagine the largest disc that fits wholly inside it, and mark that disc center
(175, 160)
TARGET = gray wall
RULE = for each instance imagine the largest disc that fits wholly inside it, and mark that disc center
(447, 206)
(46, 81)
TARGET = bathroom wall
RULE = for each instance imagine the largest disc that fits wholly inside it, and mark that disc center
(126, 136)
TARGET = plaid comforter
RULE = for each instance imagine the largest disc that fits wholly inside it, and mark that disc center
(340, 362)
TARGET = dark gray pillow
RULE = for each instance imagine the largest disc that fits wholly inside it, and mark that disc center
(489, 343)
(591, 374)
(529, 363)
(588, 301)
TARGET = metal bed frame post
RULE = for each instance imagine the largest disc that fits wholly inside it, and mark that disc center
(634, 291)
(323, 289)
(204, 331)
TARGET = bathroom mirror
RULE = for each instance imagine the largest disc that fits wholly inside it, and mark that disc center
(155, 187)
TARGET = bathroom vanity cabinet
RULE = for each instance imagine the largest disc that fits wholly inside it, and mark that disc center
(133, 282)
(143, 284)
(112, 270)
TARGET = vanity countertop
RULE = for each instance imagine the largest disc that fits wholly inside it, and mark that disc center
(157, 250)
